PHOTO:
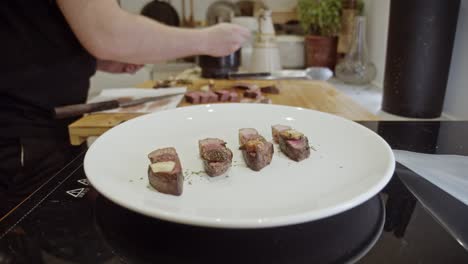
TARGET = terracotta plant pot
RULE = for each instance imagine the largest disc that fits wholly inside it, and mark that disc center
(321, 51)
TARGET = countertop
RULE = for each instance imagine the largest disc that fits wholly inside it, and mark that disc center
(316, 95)
(370, 97)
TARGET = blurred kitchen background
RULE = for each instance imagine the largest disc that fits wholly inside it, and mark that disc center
(285, 15)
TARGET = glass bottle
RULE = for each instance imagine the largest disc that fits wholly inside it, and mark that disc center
(348, 15)
(356, 68)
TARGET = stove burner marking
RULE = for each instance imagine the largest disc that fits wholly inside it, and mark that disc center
(84, 182)
(46, 196)
(78, 193)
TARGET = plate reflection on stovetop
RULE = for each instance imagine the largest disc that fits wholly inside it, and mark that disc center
(343, 238)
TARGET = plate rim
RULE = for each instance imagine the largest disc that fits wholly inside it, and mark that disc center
(210, 222)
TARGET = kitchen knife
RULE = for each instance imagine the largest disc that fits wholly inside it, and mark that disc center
(252, 75)
(80, 109)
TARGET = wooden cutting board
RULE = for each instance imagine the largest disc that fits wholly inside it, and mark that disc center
(315, 95)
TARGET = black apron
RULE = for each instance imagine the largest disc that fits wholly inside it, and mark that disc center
(43, 65)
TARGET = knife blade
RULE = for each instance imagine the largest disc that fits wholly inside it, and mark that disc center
(81, 109)
(251, 75)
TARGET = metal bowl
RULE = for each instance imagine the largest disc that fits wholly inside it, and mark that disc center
(319, 73)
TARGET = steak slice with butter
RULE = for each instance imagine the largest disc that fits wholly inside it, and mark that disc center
(276, 130)
(257, 152)
(294, 144)
(165, 171)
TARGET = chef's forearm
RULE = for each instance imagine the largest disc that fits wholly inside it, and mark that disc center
(110, 33)
(146, 41)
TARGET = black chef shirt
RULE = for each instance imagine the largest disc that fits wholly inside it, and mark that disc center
(42, 65)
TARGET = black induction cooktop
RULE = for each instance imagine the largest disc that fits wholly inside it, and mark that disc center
(410, 221)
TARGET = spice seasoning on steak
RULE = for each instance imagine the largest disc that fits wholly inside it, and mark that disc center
(215, 155)
(217, 158)
(165, 171)
(257, 152)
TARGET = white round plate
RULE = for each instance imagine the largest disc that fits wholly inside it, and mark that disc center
(350, 165)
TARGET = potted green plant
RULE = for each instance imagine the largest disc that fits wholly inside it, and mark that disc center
(321, 20)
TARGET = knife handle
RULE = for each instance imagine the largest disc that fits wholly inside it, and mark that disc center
(81, 109)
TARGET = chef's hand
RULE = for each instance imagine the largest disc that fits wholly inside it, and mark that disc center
(224, 39)
(117, 67)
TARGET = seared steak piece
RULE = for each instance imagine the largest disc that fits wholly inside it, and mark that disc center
(233, 97)
(165, 171)
(204, 97)
(198, 97)
(294, 144)
(223, 95)
(212, 97)
(246, 134)
(193, 97)
(254, 94)
(276, 129)
(256, 150)
(272, 89)
(217, 158)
